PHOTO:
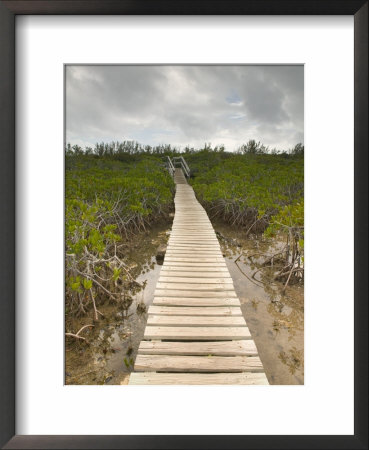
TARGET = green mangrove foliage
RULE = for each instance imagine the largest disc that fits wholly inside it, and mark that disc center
(259, 193)
(107, 201)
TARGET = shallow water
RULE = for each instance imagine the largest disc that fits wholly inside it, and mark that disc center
(276, 321)
(115, 339)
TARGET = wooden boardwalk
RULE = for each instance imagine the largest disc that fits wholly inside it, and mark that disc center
(195, 331)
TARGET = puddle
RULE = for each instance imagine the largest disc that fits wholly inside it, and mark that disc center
(275, 320)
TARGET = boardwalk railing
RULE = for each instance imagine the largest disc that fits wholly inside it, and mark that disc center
(170, 166)
(178, 161)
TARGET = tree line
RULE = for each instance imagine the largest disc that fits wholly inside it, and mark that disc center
(115, 149)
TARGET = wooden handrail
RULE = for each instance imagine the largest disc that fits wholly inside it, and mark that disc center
(171, 167)
(183, 163)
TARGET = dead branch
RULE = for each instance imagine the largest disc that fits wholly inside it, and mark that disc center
(77, 336)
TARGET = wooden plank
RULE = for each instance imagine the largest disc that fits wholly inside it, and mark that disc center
(194, 253)
(211, 236)
(205, 225)
(207, 229)
(193, 271)
(188, 259)
(192, 293)
(194, 247)
(198, 253)
(196, 321)
(181, 279)
(193, 265)
(195, 242)
(197, 333)
(202, 228)
(195, 311)
(244, 347)
(196, 301)
(243, 378)
(196, 286)
(199, 236)
(174, 363)
(210, 244)
(186, 219)
(193, 274)
(214, 243)
(187, 233)
(192, 240)
(200, 245)
(191, 247)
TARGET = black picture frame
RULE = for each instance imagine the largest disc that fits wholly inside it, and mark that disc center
(8, 12)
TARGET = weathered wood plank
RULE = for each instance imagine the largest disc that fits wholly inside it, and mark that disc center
(194, 293)
(189, 259)
(199, 229)
(218, 264)
(193, 269)
(206, 231)
(244, 347)
(192, 240)
(195, 321)
(197, 333)
(174, 363)
(193, 274)
(199, 245)
(214, 246)
(243, 378)
(196, 286)
(193, 253)
(196, 301)
(194, 236)
(178, 235)
(195, 311)
(191, 221)
(200, 280)
(194, 249)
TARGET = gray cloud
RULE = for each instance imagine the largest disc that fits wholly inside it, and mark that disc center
(185, 105)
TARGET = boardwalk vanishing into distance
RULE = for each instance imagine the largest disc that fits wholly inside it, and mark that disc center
(195, 332)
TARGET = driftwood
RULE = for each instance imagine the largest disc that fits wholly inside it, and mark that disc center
(77, 335)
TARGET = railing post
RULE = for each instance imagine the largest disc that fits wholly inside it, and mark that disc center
(181, 160)
(171, 168)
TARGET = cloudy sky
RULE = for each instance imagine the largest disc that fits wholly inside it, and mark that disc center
(185, 105)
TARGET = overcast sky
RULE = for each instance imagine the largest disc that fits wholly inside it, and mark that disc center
(185, 105)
